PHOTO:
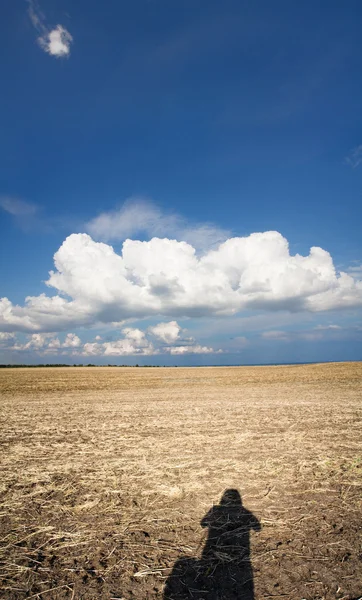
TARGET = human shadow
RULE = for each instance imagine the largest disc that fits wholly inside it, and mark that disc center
(224, 571)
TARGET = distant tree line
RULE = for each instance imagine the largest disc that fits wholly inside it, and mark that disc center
(64, 365)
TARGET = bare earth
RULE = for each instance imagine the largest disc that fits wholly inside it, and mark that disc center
(109, 475)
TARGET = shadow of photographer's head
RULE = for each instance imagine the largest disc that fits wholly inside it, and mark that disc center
(231, 498)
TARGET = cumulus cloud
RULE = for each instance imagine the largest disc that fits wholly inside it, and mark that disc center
(46, 343)
(54, 344)
(6, 336)
(133, 343)
(94, 284)
(127, 346)
(139, 216)
(55, 41)
(38, 342)
(167, 332)
(72, 341)
(43, 313)
(196, 349)
(6, 340)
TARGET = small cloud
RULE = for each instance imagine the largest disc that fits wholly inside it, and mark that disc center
(54, 344)
(354, 158)
(6, 340)
(275, 335)
(17, 207)
(55, 41)
(167, 332)
(117, 324)
(134, 342)
(327, 327)
(72, 341)
(5, 336)
(36, 341)
(196, 349)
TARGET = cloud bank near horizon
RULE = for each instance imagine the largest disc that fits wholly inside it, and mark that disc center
(166, 278)
(164, 338)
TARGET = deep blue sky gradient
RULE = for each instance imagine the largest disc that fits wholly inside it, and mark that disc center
(239, 113)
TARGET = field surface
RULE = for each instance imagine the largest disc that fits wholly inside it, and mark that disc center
(124, 483)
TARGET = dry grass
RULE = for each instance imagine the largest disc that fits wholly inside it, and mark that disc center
(106, 474)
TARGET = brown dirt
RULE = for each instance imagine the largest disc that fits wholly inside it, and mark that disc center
(107, 475)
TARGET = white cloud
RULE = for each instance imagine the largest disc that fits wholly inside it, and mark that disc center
(45, 343)
(4, 337)
(134, 342)
(37, 342)
(138, 216)
(197, 349)
(91, 349)
(354, 159)
(126, 347)
(54, 344)
(167, 332)
(94, 284)
(135, 335)
(55, 41)
(6, 340)
(71, 341)
(43, 313)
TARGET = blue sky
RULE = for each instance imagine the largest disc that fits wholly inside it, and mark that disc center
(204, 125)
